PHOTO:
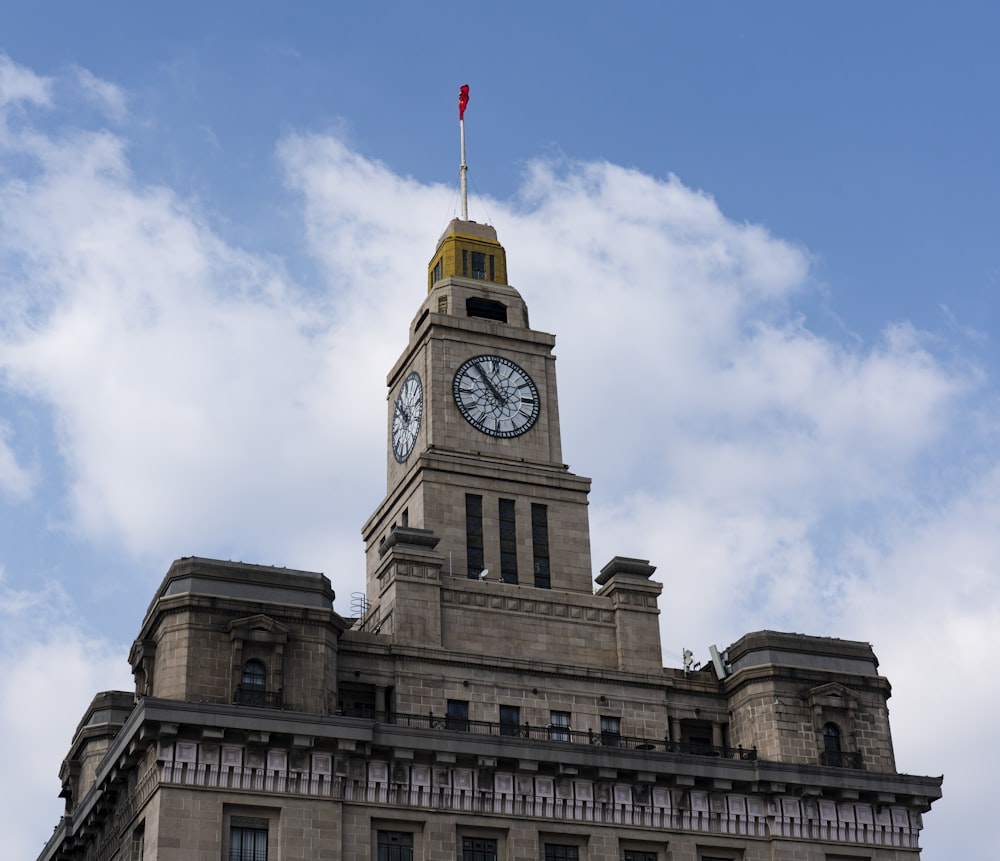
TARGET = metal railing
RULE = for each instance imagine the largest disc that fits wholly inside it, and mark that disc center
(556, 734)
(257, 697)
(841, 759)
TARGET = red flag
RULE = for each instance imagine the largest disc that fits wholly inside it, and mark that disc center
(463, 100)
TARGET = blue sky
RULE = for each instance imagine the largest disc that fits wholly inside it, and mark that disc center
(765, 235)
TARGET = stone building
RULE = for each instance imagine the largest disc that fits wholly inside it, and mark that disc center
(485, 701)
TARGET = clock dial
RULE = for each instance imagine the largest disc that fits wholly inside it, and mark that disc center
(496, 396)
(406, 417)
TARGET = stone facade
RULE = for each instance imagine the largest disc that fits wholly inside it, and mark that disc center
(517, 712)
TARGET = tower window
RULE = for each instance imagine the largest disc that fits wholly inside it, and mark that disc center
(540, 544)
(488, 309)
(508, 542)
(474, 535)
(437, 271)
(479, 265)
(254, 676)
(833, 752)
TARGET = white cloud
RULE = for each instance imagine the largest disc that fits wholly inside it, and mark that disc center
(44, 658)
(18, 84)
(106, 96)
(16, 481)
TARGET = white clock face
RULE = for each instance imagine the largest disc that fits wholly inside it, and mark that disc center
(406, 417)
(496, 396)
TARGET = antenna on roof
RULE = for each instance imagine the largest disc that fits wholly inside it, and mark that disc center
(463, 102)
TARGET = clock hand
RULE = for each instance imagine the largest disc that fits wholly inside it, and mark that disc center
(496, 392)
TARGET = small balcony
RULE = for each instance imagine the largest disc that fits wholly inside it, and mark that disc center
(841, 759)
(246, 696)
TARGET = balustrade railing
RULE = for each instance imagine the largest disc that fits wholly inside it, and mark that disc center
(557, 734)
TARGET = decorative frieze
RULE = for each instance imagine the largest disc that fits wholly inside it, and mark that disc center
(485, 791)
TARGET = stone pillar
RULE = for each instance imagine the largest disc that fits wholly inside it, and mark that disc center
(625, 582)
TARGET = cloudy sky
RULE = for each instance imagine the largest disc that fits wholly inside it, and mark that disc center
(765, 235)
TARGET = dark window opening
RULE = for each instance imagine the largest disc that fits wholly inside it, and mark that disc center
(831, 738)
(356, 699)
(611, 731)
(508, 542)
(395, 846)
(540, 545)
(474, 535)
(479, 849)
(437, 271)
(458, 715)
(559, 726)
(479, 265)
(510, 720)
(465, 263)
(561, 852)
(488, 309)
(637, 855)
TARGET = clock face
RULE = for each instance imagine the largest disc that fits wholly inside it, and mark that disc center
(496, 396)
(406, 416)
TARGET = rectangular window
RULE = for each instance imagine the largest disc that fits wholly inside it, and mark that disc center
(510, 720)
(247, 844)
(474, 534)
(458, 715)
(137, 842)
(395, 846)
(638, 855)
(611, 731)
(465, 263)
(508, 542)
(561, 852)
(478, 265)
(437, 271)
(479, 849)
(540, 544)
(559, 726)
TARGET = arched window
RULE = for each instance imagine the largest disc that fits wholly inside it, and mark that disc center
(254, 676)
(831, 738)
(832, 751)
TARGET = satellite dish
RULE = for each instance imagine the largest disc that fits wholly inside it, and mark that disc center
(483, 573)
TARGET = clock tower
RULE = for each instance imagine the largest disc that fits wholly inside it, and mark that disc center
(482, 522)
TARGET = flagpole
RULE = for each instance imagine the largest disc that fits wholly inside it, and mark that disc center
(462, 171)
(463, 101)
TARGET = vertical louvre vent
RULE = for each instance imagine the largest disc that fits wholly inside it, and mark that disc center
(488, 309)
